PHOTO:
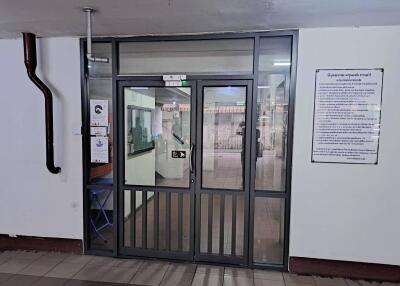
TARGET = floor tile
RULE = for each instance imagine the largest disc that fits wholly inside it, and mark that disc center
(265, 282)
(268, 275)
(154, 264)
(149, 275)
(202, 279)
(39, 267)
(26, 255)
(106, 274)
(103, 261)
(4, 277)
(91, 283)
(210, 269)
(177, 278)
(182, 267)
(60, 256)
(292, 279)
(240, 272)
(81, 259)
(325, 281)
(128, 263)
(50, 281)
(14, 265)
(21, 280)
(238, 281)
(64, 270)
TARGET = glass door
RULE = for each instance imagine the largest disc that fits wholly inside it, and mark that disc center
(222, 185)
(156, 199)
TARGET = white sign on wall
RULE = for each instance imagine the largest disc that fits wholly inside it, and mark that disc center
(347, 113)
(99, 149)
(98, 112)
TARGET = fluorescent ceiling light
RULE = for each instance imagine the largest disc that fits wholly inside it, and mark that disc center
(263, 86)
(282, 64)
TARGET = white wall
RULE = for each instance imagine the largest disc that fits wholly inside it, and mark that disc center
(347, 212)
(33, 201)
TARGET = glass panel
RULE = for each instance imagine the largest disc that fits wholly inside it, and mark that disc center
(157, 136)
(101, 218)
(99, 69)
(231, 56)
(272, 113)
(269, 230)
(101, 133)
(223, 137)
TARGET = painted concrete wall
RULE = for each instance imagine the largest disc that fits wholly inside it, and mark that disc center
(33, 201)
(347, 212)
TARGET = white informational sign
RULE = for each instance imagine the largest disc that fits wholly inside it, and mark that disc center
(98, 131)
(99, 149)
(98, 112)
(347, 112)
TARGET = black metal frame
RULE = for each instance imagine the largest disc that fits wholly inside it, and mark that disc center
(250, 125)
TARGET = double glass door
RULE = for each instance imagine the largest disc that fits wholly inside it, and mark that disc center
(184, 180)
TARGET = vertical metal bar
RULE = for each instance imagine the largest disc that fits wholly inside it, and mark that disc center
(291, 114)
(221, 224)
(85, 149)
(144, 219)
(210, 222)
(234, 206)
(168, 219)
(253, 151)
(133, 219)
(118, 215)
(180, 220)
(156, 218)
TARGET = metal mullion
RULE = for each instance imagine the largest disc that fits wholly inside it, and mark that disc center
(247, 163)
(168, 219)
(180, 220)
(107, 187)
(210, 222)
(252, 145)
(292, 96)
(221, 224)
(156, 189)
(233, 238)
(222, 191)
(133, 219)
(156, 219)
(144, 219)
(270, 194)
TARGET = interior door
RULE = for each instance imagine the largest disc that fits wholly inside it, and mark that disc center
(156, 140)
(222, 184)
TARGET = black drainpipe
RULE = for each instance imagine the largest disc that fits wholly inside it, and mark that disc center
(31, 63)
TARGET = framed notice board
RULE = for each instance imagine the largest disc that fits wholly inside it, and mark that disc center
(347, 116)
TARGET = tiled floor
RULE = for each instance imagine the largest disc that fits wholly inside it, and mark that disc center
(22, 268)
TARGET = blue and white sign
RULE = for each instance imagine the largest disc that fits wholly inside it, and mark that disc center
(99, 149)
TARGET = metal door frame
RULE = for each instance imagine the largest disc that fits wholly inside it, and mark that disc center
(180, 255)
(87, 184)
(246, 174)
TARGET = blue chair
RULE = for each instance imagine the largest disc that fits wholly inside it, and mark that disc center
(100, 197)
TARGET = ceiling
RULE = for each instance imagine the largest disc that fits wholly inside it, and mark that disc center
(139, 17)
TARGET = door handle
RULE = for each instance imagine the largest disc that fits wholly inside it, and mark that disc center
(191, 158)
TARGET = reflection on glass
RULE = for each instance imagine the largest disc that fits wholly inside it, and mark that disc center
(223, 137)
(222, 56)
(139, 130)
(157, 122)
(269, 230)
(272, 113)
